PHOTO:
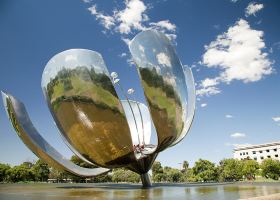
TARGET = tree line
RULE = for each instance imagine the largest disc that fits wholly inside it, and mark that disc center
(202, 171)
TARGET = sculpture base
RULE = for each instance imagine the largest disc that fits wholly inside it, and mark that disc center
(146, 181)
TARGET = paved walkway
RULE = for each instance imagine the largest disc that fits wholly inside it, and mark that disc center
(267, 197)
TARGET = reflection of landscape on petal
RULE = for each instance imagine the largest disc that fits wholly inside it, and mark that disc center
(165, 106)
(90, 114)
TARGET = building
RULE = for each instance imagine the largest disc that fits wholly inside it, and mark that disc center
(258, 152)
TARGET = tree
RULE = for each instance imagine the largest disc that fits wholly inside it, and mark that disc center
(189, 176)
(173, 175)
(100, 178)
(20, 173)
(124, 175)
(250, 168)
(3, 172)
(205, 170)
(270, 168)
(58, 175)
(41, 171)
(185, 165)
(230, 170)
(157, 172)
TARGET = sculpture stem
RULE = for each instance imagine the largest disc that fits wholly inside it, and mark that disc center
(146, 181)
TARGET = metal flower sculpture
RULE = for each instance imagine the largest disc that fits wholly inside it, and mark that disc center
(107, 128)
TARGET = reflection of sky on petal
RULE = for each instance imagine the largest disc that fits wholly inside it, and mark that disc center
(146, 122)
(70, 59)
(155, 43)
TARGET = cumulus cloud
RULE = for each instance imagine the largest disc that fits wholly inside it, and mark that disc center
(276, 119)
(228, 116)
(253, 8)
(238, 135)
(133, 17)
(208, 91)
(163, 59)
(208, 82)
(203, 105)
(238, 54)
(106, 20)
(164, 24)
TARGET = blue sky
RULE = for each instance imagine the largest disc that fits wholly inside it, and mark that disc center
(233, 48)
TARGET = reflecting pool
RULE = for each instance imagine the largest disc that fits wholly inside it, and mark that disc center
(133, 191)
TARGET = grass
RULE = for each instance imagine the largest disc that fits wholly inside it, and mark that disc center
(88, 89)
(158, 97)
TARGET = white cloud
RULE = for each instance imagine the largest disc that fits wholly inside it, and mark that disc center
(207, 91)
(238, 135)
(163, 59)
(208, 82)
(237, 145)
(141, 48)
(70, 58)
(132, 16)
(86, 1)
(253, 8)
(106, 20)
(123, 55)
(276, 119)
(126, 41)
(241, 145)
(164, 24)
(239, 54)
(228, 116)
(203, 105)
(130, 61)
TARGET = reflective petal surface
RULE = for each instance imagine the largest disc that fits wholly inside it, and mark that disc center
(86, 107)
(164, 84)
(37, 144)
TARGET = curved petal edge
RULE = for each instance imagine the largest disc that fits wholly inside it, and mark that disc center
(37, 144)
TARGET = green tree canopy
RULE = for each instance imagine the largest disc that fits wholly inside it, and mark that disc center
(250, 168)
(41, 170)
(124, 175)
(230, 170)
(271, 168)
(3, 172)
(205, 170)
(20, 173)
(185, 165)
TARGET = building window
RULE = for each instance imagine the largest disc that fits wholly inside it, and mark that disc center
(275, 149)
(261, 157)
(240, 154)
(268, 156)
(243, 153)
(246, 153)
(276, 156)
(260, 151)
(267, 150)
(254, 152)
(255, 158)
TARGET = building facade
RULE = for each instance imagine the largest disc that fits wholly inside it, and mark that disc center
(258, 152)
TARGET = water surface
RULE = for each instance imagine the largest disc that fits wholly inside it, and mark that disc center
(133, 191)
